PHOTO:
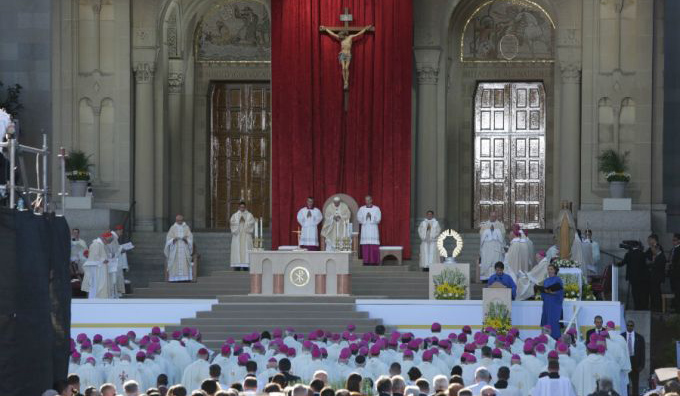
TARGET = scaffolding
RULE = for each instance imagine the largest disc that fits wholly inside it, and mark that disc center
(14, 152)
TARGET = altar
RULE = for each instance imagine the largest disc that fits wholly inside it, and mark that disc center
(299, 272)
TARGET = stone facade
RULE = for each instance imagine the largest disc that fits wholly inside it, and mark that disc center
(132, 92)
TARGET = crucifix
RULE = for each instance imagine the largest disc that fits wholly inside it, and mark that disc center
(342, 34)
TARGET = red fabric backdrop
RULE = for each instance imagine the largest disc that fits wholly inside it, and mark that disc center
(318, 149)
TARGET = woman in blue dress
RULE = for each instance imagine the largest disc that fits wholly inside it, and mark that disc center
(552, 294)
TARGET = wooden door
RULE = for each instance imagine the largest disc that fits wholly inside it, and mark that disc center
(240, 150)
(510, 153)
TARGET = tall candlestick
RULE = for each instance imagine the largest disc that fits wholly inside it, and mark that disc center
(255, 235)
(261, 228)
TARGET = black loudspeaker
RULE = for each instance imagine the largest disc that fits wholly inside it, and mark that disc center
(35, 301)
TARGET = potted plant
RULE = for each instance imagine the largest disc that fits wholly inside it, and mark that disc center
(78, 172)
(614, 166)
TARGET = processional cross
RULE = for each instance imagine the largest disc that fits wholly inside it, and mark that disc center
(342, 34)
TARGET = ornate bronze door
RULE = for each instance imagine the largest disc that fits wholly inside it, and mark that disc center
(510, 153)
(240, 152)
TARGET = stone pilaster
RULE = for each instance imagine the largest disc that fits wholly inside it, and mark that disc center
(175, 89)
(144, 146)
(570, 133)
(426, 172)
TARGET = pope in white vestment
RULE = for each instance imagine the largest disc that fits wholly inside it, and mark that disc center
(309, 218)
(369, 217)
(336, 217)
(179, 245)
(429, 230)
(96, 279)
(242, 225)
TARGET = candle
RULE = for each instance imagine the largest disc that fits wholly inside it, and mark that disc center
(261, 228)
(255, 229)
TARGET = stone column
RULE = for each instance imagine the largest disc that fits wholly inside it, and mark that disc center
(427, 68)
(96, 131)
(570, 133)
(97, 9)
(175, 89)
(144, 146)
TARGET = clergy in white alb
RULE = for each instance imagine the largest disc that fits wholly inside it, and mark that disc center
(553, 384)
(518, 257)
(577, 249)
(118, 252)
(179, 245)
(197, 371)
(591, 369)
(78, 248)
(369, 217)
(96, 279)
(242, 226)
(336, 217)
(309, 218)
(429, 230)
(595, 246)
(491, 245)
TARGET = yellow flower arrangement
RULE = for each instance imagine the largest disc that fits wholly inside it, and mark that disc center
(498, 317)
(451, 284)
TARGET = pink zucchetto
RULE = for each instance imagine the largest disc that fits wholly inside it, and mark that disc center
(516, 358)
(553, 355)
(436, 327)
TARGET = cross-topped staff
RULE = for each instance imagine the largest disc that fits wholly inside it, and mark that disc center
(342, 34)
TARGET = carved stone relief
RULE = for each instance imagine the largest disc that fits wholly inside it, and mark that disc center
(504, 30)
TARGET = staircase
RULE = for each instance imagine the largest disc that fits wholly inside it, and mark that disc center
(236, 316)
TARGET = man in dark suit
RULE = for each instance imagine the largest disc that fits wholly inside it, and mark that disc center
(598, 328)
(636, 350)
(638, 275)
(674, 272)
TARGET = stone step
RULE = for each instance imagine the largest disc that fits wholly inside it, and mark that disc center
(259, 314)
(294, 308)
(208, 324)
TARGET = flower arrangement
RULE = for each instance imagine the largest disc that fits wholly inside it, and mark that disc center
(498, 317)
(566, 263)
(450, 284)
(78, 166)
(614, 165)
(572, 290)
(588, 294)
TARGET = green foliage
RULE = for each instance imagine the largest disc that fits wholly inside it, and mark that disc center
(610, 161)
(11, 102)
(450, 276)
(78, 165)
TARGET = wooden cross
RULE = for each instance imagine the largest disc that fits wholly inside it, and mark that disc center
(345, 34)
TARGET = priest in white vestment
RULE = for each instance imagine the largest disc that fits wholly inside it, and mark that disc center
(591, 369)
(518, 256)
(118, 252)
(336, 217)
(242, 225)
(491, 245)
(369, 217)
(595, 246)
(179, 245)
(429, 230)
(78, 248)
(577, 249)
(196, 372)
(309, 218)
(96, 279)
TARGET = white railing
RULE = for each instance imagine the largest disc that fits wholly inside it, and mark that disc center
(42, 191)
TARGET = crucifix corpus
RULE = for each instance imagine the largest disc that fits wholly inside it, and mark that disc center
(342, 34)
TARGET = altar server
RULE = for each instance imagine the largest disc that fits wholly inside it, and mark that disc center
(428, 230)
(309, 218)
(369, 217)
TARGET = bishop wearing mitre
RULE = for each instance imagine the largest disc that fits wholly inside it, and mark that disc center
(242, 225)
(179, 245)
(96, 279)
(309, 218)
(491, 244)
(369, 217)
(428, 230)
(336, 216)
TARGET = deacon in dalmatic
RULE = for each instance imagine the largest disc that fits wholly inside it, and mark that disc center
(96, 282)
(309, 218)
(179, 245)
(428, 230)
(492, 244)
(242, 224)
(336, 217)
(369, 217)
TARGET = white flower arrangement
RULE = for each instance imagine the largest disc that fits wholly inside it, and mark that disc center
(6, 124)
(617, 177)
(566, 263)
